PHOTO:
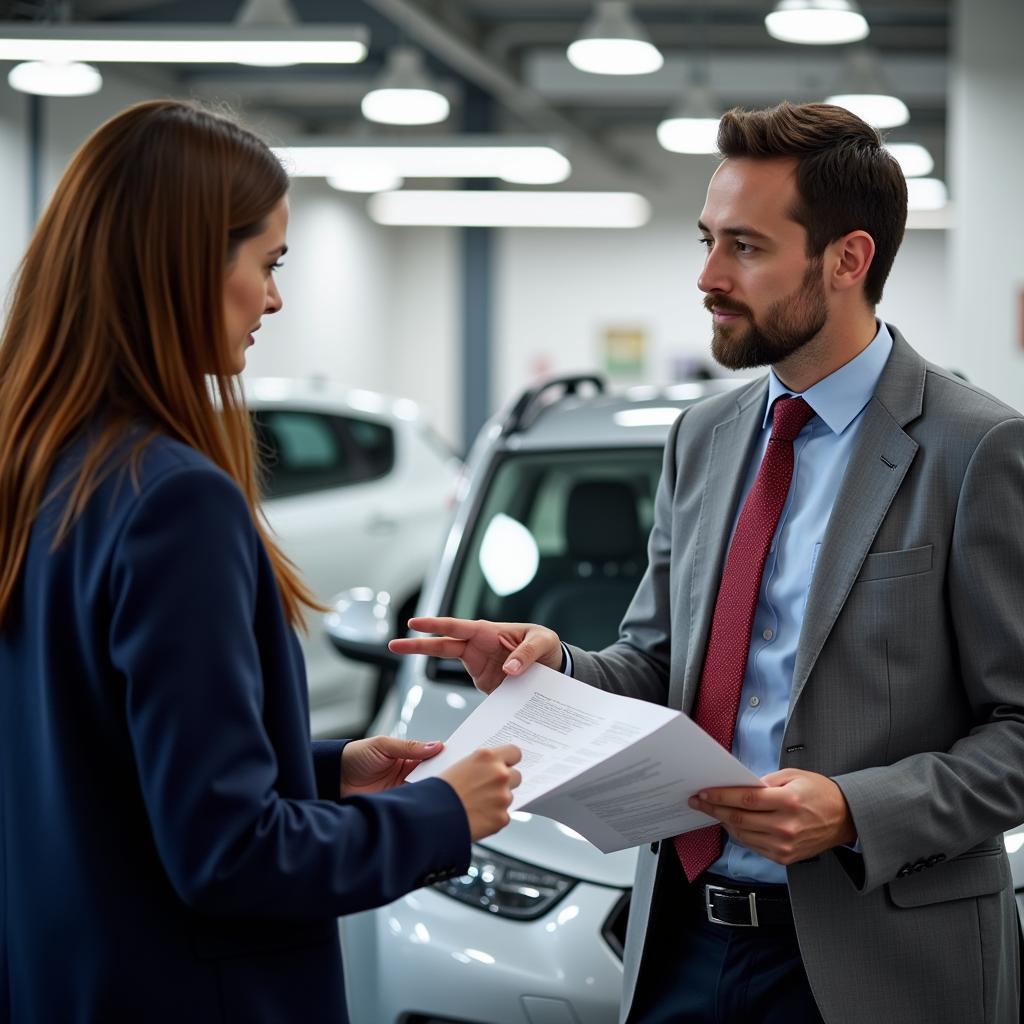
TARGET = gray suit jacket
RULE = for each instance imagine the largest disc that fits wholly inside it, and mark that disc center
(908, 690)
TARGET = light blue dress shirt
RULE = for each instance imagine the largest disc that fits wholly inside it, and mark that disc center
(820, 456)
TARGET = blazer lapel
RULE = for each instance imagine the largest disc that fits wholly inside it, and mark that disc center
(726, 474)
(880, 460)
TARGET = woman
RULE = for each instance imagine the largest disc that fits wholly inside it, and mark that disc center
(172, 848)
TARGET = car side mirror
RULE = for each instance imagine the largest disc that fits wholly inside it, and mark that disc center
(359, 626)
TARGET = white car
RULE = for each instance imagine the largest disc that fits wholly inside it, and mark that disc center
(359, 492)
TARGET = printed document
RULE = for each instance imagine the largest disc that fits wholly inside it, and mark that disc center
(617, 770)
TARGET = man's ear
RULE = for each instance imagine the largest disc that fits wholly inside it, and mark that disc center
(852, 256)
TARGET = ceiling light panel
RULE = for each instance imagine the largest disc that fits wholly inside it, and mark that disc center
(510, 209)
(926, 194)
(878, 109)
(816, 22)
(48, 78)
(914, 159)
(613, 42)
(185, 44)
(517, 163)
(404, 93)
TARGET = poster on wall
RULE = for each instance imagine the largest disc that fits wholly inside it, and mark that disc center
(624, 351)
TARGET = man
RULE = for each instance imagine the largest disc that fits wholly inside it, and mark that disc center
(835, 592)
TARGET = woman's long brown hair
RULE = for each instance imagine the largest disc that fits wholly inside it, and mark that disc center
(117, 316)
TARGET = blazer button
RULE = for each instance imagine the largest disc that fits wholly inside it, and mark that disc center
(655, 846)
(904, 871)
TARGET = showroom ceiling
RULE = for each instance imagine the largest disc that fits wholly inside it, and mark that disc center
(502, 65)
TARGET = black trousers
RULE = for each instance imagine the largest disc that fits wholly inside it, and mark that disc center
(697, 971)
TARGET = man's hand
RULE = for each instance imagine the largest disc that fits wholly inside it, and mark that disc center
(799, 815)
(381, 762)
(489, 650)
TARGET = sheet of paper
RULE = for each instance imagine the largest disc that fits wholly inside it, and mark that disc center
(617, 770)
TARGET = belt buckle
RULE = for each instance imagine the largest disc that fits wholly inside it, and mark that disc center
(751, 899)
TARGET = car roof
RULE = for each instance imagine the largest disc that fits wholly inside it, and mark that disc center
(632, 417)
(322, 395)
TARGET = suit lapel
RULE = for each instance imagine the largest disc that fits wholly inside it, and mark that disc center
(880, 460)
(723, 483)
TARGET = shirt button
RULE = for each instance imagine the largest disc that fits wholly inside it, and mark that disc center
(767, 634)
(755, 701)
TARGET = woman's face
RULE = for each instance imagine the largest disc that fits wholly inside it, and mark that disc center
(250, 290)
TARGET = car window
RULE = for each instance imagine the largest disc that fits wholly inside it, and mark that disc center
(376, 445)
(304, 451)
(560, 538)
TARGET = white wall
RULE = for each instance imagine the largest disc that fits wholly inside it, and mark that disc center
(986, 160)
(558, 291)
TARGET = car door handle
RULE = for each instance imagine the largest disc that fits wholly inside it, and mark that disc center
(380, 524)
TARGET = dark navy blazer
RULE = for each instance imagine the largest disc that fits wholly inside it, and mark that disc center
(173, 848)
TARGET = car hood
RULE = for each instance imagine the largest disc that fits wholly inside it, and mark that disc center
(428, 710)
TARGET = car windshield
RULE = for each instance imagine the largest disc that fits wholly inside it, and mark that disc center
(561, 539)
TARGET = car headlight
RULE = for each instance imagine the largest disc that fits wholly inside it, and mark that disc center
(506, 886)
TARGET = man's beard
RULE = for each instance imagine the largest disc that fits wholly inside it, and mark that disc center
(787, 326)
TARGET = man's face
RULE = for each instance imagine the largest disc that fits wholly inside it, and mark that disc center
(766, 298)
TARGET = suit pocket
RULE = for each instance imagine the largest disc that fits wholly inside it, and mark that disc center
(884, 565)
(978, 872)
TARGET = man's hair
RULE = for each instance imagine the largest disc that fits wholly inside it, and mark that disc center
(845, 179)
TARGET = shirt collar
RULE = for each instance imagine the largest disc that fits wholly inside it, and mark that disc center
(839, 397)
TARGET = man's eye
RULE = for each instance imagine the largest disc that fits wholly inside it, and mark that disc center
(744, 247)
(706, 242)
(275, 266)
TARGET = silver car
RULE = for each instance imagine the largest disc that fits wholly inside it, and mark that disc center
(551, 527)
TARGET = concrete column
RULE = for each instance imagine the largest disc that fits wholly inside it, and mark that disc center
(986, 162)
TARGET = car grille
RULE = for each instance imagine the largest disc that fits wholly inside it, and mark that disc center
(614, 929)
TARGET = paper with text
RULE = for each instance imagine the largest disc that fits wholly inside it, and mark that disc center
(617, 770)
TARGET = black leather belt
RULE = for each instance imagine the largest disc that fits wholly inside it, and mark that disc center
(745, 906)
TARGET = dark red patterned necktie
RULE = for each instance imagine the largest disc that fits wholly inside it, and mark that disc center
(725, 663)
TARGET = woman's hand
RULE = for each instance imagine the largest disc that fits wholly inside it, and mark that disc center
(489, 650)
(381, 762)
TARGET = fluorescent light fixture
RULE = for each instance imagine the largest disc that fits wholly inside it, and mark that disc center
(184, 44)
(816, 22)
(268, 12)
(689, 134)
(404, 93)
(365, 176)
(613, 42)
(511, 209)
(926, 194)
(693, 126)
(520, 161)
(51, 78)
(878, 109)
(915, 161)
(863, 90)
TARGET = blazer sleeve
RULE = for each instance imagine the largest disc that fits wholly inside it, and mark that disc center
(183, 585)
(638, 663)
(327, 768)
(941, 804)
